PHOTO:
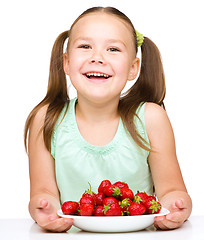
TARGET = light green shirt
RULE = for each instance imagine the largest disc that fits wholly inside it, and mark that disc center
(77, 162)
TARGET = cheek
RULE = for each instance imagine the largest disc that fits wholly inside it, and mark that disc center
(122, 68)
(75, 64)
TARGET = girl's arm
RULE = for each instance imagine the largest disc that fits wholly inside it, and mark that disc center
(44, 195)
(169, 185)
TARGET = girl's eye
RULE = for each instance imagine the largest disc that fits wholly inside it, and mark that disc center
(113, 49)
(85, 46)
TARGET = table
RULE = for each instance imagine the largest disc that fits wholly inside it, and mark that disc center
(27, 229)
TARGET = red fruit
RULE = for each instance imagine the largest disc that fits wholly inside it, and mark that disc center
(89, 200)
(140, 197)
(136, 208)
(112, 191)
(109, 200)
(99, 198)
(124, 204)
(103, 184)
(121, 184)
(70, 207)
(89, 193)
(98, 211)
(126, 193)
(151, 197)
(152, 206)
(86, 209)
(112, 209)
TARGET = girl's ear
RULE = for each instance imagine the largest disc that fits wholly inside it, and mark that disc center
(66, 64)
(134, 69)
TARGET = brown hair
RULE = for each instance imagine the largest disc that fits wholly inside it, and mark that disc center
(149, 87)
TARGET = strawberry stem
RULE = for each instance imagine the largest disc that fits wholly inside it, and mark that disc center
(89, 186)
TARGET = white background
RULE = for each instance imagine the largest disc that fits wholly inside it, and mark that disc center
(28, 30)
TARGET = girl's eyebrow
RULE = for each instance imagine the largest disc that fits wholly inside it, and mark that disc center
(111, 40)
(116, 41)
(82, 39)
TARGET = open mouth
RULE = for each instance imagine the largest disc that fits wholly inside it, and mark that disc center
(95, 75)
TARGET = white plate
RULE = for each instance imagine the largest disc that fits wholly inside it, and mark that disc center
(113, 224)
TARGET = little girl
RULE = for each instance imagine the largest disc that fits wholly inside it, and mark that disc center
(102, 134)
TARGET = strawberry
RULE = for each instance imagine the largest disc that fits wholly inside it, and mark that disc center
(112, 191)
(70, 207)
(86, 209)
(121, 184)
(112, 209)
(99, 198)
(140, 197)
(89, 193)
(98, 211)
(136, 208)
(89, 200)
(124, 204)
(126, 193)
(103, 184)
(152, 206)
(109, 200)
(151, 197)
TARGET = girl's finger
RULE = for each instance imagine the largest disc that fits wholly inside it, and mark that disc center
(59, 225)
(176, 217)
(160, 218)
(169, 224)
(179, 203)
(52, 217)
(159, 225)
(45, 215)
(44, 219)
(42, 203)
(65, 225)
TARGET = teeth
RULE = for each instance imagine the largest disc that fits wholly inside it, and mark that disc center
(97, 75)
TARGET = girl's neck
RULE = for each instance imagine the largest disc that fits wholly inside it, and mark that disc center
(96, 113)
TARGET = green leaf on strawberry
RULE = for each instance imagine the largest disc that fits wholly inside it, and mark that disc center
(112, 209)
(152, 206)
(112, 191)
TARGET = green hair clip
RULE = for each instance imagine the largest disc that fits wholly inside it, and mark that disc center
(140, 38)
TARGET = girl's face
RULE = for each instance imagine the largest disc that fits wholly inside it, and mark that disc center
(101, 57)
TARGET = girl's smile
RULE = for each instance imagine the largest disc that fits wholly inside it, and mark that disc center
(97, 77)
(100, 59)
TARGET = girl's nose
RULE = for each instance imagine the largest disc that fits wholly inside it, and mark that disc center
(93, 60)
(97, 58)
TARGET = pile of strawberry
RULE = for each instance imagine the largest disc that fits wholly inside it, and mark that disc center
(112, 200)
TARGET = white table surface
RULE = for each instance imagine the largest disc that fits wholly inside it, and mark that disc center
(27, 229)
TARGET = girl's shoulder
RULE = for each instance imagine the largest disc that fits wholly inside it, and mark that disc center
(39, 118)
(156, 119)
(154, 111)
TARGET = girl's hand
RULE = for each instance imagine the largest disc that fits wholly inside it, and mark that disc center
(178, 214)
(47, 218)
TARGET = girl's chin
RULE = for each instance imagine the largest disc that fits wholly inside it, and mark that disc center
(94, 96)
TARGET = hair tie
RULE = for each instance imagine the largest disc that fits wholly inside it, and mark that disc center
(140, 38)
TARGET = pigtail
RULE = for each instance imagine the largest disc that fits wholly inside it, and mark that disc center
(57, 84)
(151, 81)
(56, 96)
(149, 87)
